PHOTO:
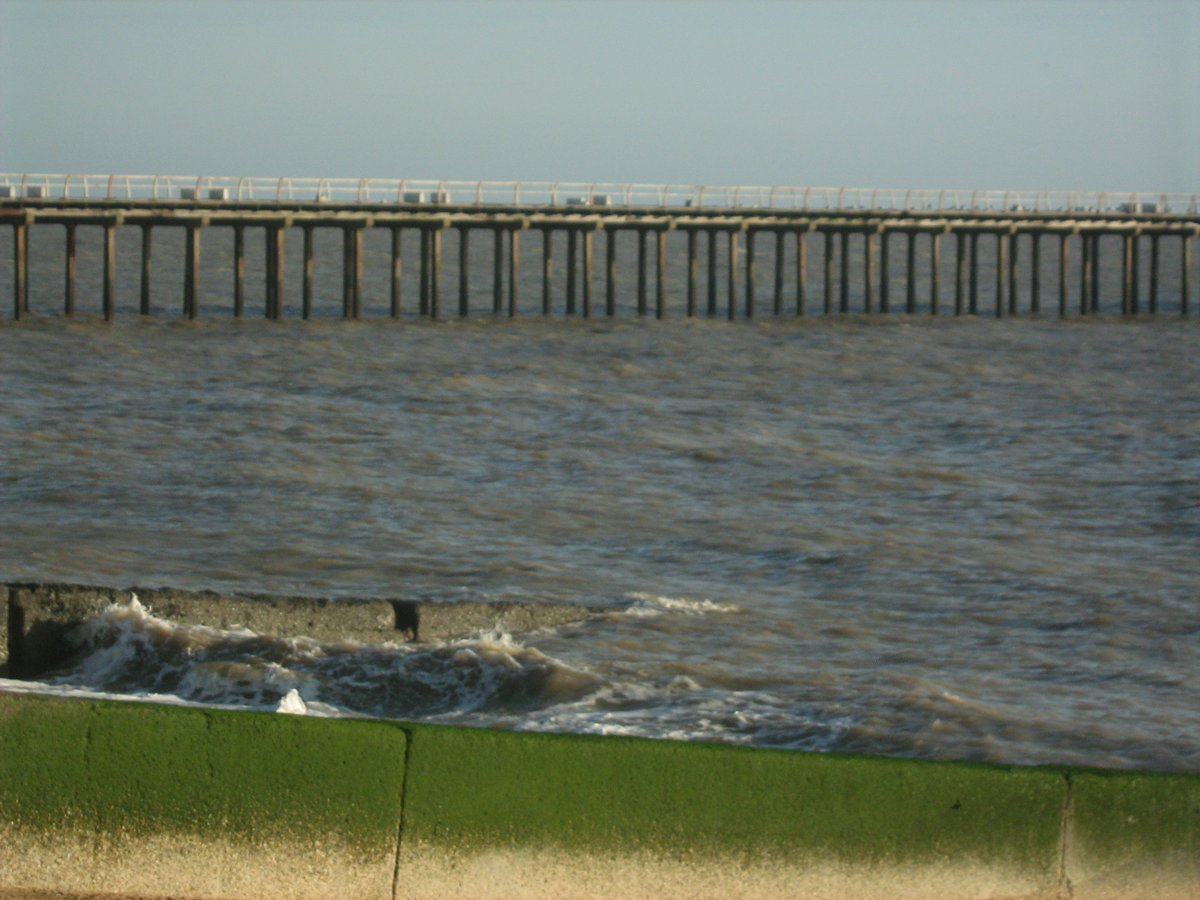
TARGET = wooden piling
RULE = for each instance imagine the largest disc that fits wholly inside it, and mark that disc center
(935, 270)
(884, 267)
(712, 273)
(435, 272)
(514, 270)
(828, 272)
(751, 234)
(398, 272)
(1154, 260)
(349, 266)
(973, 275)
(733, 255)
(869, 272)
(1095, 280)
(110, 271)
(693, 272)
(844, 273)
(239, 270)
(778, 298)
(464, 268)
(1064, 253)
(610, 273)
(547, 269)
(910, 275)
(960, 271)
(586, 275)
(72, 270)
(1185, 272)
(641, 272)
(1013, 272)
(191, 278)
(660, 284)
(423, 290)
(276, 235)
(20, 270)
(497, 270)
(572, 266)
(306, 300)
(1035, 265)
(1085, 274)
(1001, 265)
(802, 270)
(147, 253)
(1126, 273)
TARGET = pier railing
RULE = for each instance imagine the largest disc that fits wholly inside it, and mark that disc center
(483, 194)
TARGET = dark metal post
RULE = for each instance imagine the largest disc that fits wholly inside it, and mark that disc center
(423, 298)
(935, 271)
(547, 270)
(464, 268)
(147, 245)
(750, 236)
(693, 267)
(276, 236)
(191, 286)
(1185, 272)
(884, 238)
(973, 295)
(801, 271)
(712, 273)
(572, 265)
(660, 284)
(733, 254)
(514, 270)
(610, 273)
(1064, 254)
(910, 278)
(239, 270)
(778, 273)
(844, 275)
(960, 270)
(1096, 275)
(110, 271)
(869, 272)
(1013, 267)
(1126, 273)
(73, 269)
(497, 270)
(348, 270)
(828, 272)
(1153, 274)
(586, 275)
(309, 268)
(1085, 275)
(20, 270)
(1035, 263)
(397, 271)
(1001, 265)
(641, 278)
(435, 272)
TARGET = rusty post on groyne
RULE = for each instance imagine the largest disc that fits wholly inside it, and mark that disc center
(1015, 289)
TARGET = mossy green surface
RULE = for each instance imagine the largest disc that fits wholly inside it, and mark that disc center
(476, 789)
(136, 768)
(1125, 817)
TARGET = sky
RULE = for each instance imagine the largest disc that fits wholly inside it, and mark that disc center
(1002, 94)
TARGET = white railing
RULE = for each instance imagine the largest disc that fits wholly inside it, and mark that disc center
(377, 191)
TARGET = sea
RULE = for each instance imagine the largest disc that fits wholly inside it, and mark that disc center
(913, 535)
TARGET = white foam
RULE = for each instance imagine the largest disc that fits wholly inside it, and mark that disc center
(655, 605)
(292, 704)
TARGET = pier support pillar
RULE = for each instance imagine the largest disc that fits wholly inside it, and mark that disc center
(514, 270)
(910, 276)
(72, 272)
(1013, 271)
(20, 270)
(610, 273)
(777, 306)
(423, 293)
(750, 265)
(828, 272)
(464, 270)
(884, 257)
(1064, 260)
(110, 271)
(1096, 275)
(1154, 260)
(586, 274)
(1185, 272)
(693, 272)
(973, 275)
(435, 272)
(935, 271)
(497, 272)
(844, 273)
(1035, 265)
(869, 272)
(349, 265)
(397, 272)
(712, 274)
(147, 255)
(641, 273)
(801, 271)
(1001, 265)
(309, 270)
(275, 247)
(572, 268)
(660, 283)
(960, 271)
(733, 255)
(191, 276)
(239, 270)
(1126, 273)
(547, 269)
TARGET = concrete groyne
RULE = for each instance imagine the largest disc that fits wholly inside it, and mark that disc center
(859, 235)
(37, 632)
(144, 800)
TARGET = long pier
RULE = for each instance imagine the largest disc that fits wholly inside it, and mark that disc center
(867, 240)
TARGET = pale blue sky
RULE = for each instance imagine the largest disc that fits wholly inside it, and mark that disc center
(1040, 94)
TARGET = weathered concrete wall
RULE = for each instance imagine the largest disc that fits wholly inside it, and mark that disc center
(41, 618)
(139, 799)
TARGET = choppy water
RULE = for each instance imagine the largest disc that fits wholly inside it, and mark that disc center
(937, 538)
